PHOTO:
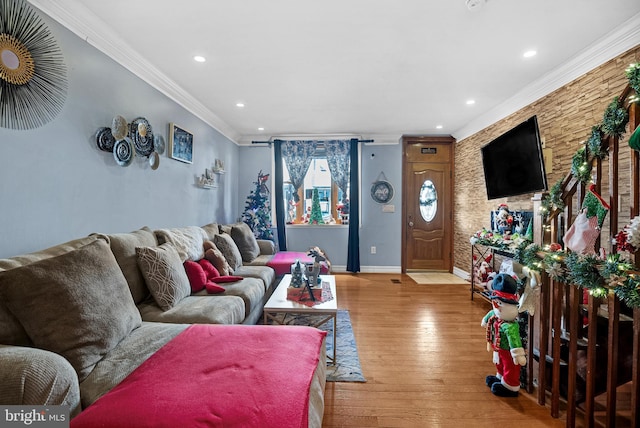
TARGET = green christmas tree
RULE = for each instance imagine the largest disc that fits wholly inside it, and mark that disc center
(316, 212)
(257, 213)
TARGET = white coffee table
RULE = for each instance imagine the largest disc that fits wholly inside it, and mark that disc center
(281, 310)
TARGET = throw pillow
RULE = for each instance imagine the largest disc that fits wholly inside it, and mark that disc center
(123, 246)
(228, 278)
(229, 249)
(196, 274)
(217, 259)
(164, 274)
(77, 304)
(211, 230)
(246, 241)
(213, 288)
(186, 240)
(209, 269)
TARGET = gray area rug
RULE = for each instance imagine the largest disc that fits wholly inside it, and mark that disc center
(347, 368)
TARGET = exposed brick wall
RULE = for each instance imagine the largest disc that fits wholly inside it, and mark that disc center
(565, 118)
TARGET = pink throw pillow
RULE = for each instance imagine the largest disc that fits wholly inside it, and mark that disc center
(209, 269)
(228, 278)
(196, 274)
(213, 288)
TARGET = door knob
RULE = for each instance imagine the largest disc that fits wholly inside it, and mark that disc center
(410, 224)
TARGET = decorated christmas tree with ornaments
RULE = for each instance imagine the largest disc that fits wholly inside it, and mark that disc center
(257, 213)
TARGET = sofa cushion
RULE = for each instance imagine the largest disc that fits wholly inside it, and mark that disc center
(76, 304)
(186, 240)
(11, 331)
(164, 274)
(200, 309)
(251, 290)
(134, 349)
(211, 230)
(229, 249)
(123, 246)
(217, 259)
(246, 241)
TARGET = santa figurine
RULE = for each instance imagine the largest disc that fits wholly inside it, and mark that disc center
(503, 337)
(504, 219)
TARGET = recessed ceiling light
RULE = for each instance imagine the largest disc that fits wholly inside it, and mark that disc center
(471, 102)
(199, 58)
(261, 129)
(438, 126)
(529, 54)
(239, 105)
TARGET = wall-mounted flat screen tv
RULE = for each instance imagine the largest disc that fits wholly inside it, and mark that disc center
(513, 163)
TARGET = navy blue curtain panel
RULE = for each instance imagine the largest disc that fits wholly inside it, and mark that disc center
(282, 233)
(353, 250)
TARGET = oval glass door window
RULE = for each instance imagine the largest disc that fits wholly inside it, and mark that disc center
(428, 201)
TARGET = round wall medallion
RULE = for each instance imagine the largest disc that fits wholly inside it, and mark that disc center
(381, 191)
(123, 152)
(16, 63)
(105, 139)
(33, 80)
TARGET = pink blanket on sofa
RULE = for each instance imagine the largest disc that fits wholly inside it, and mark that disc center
(215, 376)
(281, 262)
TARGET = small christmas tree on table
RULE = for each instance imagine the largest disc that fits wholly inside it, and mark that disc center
(316, 212)
(257, 213)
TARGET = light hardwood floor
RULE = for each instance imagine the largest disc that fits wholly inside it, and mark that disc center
(424, 356)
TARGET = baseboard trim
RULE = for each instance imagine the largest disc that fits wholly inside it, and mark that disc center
(369, 269)
(461, 273)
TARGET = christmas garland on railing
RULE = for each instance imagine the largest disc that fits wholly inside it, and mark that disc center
(602, 277)
(611, 275)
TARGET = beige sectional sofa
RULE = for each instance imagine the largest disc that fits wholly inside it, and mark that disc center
(76, 319)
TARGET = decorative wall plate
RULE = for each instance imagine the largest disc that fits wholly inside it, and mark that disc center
(105, 139)
(381, 191)
(124, 152)
(158, 143)
(142, 135)
(154, 160)
(119, 127)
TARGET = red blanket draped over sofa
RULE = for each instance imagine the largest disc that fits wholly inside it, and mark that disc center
(281, 262)
(214, 376)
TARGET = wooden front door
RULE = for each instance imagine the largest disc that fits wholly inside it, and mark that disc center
(427, 204)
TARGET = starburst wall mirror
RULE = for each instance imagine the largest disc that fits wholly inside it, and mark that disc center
(33, 82)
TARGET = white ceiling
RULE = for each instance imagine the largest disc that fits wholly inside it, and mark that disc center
(373, 68)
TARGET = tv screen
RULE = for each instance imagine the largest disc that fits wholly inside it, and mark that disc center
(513, 163)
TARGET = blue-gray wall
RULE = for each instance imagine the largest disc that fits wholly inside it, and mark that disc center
(56, 185)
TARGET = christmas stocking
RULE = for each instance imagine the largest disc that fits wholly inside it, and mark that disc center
(583, 233)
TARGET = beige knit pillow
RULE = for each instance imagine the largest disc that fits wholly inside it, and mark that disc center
(164, 274)
(228, 247)
(216, 258)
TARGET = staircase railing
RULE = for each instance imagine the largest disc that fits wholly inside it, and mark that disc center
(577, 350)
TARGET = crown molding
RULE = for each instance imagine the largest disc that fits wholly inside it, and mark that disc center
(617, 42)
(73, 15)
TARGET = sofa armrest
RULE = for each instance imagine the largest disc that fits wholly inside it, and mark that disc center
(34, 376)
(267, 247)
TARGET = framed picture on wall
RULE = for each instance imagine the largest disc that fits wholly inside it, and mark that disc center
(180, 144)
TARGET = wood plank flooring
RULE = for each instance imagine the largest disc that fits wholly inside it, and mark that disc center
(424, 356)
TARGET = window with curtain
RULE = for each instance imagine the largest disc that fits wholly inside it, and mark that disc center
(321, 166)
